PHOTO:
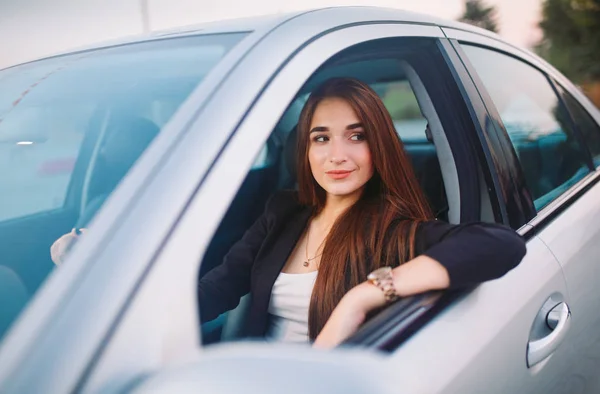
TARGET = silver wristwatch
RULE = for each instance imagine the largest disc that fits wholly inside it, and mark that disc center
(382, 278)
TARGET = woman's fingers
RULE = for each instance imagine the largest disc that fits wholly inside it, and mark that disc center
(59, 248)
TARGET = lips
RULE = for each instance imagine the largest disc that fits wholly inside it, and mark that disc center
(339, 174)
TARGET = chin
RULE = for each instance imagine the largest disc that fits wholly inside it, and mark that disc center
(341, 190)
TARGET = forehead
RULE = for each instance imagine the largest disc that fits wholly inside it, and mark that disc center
(333, 111)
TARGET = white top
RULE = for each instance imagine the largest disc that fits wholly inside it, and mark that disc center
(288, 307)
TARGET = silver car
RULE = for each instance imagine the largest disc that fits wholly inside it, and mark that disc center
(495, 134)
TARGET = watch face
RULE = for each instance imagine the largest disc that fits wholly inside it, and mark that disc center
(379, 273)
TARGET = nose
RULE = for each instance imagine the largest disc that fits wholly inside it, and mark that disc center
(337, 153)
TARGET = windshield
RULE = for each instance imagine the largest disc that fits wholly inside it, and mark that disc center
(70, 129)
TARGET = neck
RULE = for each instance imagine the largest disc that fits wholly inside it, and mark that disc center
(335, 206)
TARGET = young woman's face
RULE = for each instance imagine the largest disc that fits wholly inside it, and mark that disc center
(338, 153)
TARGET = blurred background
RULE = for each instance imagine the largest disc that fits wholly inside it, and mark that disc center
(565, 32)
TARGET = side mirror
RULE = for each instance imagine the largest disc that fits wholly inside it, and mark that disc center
(271, 368)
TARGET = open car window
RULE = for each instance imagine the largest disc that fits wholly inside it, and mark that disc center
(407, 90)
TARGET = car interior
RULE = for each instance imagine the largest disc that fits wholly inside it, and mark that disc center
(552, 162)
(85, 140)
(420, 131)
(105, 156)
(144, 108)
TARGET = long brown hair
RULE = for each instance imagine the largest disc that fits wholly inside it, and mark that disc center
(379, 229)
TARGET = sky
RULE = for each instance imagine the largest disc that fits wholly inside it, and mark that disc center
(37, 28)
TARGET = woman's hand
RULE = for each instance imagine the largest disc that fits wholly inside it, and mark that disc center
(350, 314)
(60, 247)
(416, 276)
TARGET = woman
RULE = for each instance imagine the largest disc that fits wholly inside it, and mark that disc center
(358, 209)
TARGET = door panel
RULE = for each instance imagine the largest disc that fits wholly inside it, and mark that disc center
(555, 166)
(574, 238)
(479, 344)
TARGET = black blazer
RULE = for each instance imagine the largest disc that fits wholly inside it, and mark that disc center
(472, 253)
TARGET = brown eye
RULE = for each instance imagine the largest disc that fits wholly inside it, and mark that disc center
(320, 138)
(358, 137)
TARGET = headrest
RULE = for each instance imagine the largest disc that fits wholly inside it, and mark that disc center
(128, 137)
(125, 140)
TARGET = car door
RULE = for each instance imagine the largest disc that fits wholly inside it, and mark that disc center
(479, 343)
(552, 135)
(572, 231)
(492, 334)
(495, 338)
(148, 319)
(275, 87)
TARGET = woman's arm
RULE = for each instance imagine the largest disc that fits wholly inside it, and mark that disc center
(471, 253)
(454, 256)
(221, 289)
(416, 276)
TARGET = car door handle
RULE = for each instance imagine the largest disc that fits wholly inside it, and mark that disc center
(559, 321)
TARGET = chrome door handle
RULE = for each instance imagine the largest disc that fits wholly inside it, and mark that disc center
(559, 320)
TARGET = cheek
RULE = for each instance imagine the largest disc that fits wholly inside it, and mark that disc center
(363, 157)
(316, 157)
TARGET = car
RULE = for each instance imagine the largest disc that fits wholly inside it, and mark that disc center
(201, 122)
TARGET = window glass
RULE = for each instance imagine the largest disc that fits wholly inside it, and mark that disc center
(39, 144)
(70, 128)
(585, 123)
(400, 101)
(46, 108)
(538, 126)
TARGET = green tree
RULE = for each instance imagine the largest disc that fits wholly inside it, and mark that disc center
(479, 14)
(571, 37)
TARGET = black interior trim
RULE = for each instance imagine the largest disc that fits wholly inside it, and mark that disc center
(439, 77)
(494, 148)
(399, 321)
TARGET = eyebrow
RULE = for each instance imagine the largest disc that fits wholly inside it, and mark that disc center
(324, 128)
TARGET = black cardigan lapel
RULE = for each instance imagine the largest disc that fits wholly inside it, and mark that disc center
(270, 268)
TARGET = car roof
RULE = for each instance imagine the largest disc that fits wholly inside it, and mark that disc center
(262, 25)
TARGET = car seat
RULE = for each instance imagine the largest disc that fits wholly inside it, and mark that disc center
(125, 141)
(14, 297)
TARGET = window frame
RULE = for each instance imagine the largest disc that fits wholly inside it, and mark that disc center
(262, 117)
(429, 306)
(526, 218)
(432, 304)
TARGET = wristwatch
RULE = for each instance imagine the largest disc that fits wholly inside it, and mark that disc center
(382, 278)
